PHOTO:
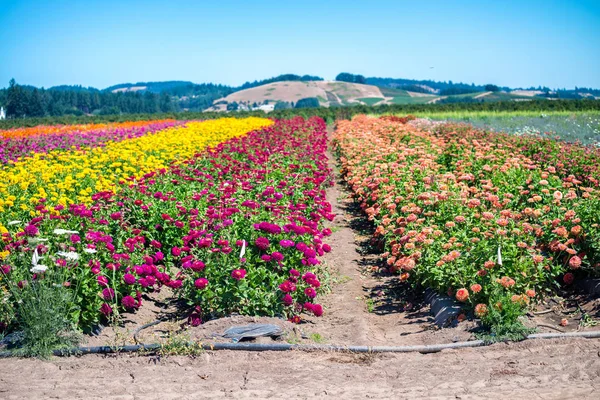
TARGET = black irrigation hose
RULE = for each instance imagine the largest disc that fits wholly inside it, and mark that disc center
(308, 347)
(148, 325)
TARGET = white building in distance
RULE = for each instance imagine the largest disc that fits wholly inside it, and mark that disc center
(2, 113)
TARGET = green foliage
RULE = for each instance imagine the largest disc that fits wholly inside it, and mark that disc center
(453, 91)
(282, 105)
(280, 78)
(43, 308)
(502, 320)
(329, 114)
(491, 88)
(370, 100)
(351, 78)
(307, 102)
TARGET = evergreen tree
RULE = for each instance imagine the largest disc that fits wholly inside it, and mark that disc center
(166, 105)
(35, 107)
(16, 100)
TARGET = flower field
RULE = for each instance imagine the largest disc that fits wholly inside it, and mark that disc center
(68, 177)
(491, 219)
(227, 213)
(18, 143)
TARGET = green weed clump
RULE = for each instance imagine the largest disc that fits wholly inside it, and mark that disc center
(43, 319)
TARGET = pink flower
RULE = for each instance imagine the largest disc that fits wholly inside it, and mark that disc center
(277, 256)
(288, 300)
(108, 293)
(175, 284)
(128, 302)
(310, 292)
(106, 309)
(201, 283)
(575, 262)
(31, 230)
(286, 243)
(287, 287)
(317, 309)
(568, 278)
(262, 243)
(102, 280)
(129, 279)
(238, 274)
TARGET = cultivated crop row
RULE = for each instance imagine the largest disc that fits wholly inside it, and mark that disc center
(490, 219)
(233, 228)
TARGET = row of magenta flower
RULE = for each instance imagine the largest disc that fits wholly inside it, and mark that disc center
(238, 228)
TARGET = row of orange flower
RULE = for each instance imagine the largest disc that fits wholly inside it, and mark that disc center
(74, 129)
(469, 215)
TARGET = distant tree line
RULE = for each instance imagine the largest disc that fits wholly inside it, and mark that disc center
(26, 101)
(280, 78)
(330, 114)
(152, 97)
(347, 77)
(437, 86)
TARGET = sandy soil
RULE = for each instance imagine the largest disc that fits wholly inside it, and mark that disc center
(526, 370)
(363, 307)
(482, 95)
(529, 93)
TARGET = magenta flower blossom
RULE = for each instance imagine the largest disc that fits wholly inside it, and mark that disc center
(108, 293)
(317, 309)
(128, 302)
(106, 309)
(262, 243)
(310, 292)
(31, 230)
(175, 284)
(129, 279)
(238, 274)
(286, 243)
(277, 256)
(287, 287)
(201, 283)
(102, 280)
(288, 300)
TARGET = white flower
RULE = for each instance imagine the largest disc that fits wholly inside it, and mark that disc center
(89, 251)
(59, 231)
(69, 255)
(14, 223)
(38, 269)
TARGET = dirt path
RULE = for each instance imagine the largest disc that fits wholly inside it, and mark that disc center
(526, 370)
(362, 308)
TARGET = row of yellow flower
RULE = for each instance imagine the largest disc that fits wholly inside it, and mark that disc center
(68, 177)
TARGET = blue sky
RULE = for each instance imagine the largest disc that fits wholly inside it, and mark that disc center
(100, 43)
